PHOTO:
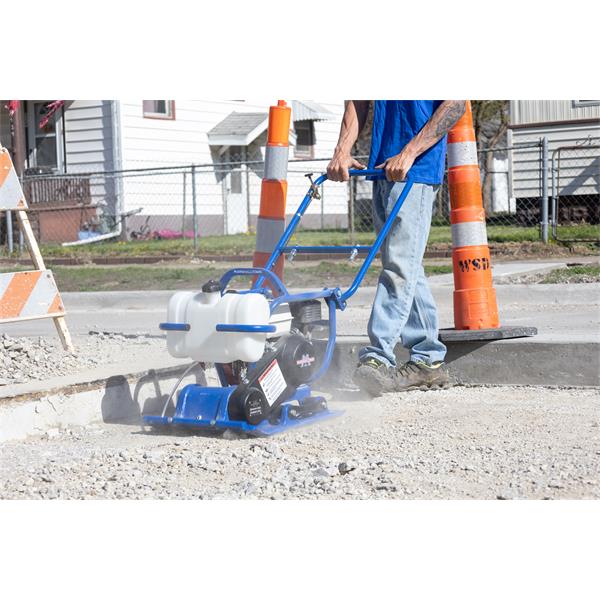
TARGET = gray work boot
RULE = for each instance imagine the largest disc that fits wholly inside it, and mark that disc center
(375, 378)
(420, 376)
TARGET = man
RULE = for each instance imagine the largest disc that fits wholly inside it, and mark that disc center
(408, 135)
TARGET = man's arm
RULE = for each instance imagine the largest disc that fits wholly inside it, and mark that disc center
(355, 116)
(443, 119)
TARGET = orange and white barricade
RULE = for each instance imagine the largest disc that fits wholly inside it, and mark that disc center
(271, 218)
(28, 294)
(475, 304)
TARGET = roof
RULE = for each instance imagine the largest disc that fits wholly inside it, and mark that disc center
(242, 128)
(238, 129)
(307, 110)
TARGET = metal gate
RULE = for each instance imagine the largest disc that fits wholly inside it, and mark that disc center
(576, 190)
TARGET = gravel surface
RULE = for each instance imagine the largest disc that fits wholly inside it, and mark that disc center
(499, 442)
(24, 359)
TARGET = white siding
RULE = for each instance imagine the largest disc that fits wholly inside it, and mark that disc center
(89, 147)
(582, 174)
(183, 141)
(541, 111)
(88, 136)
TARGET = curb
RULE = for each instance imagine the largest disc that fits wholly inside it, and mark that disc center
(497, 251)
(124, 398)
(118, 398)
(500, 362)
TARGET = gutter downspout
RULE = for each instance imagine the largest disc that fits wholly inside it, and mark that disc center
(117, 160)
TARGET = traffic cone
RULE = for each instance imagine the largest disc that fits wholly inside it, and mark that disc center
(271, 217)
(475, 304)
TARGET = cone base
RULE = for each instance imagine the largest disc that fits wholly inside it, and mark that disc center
(476, 309)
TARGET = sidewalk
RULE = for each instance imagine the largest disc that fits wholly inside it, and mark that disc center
(566, 350)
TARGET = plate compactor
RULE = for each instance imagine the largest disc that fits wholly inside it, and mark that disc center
(262, 340)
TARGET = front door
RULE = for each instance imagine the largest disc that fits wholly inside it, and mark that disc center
(235, 209)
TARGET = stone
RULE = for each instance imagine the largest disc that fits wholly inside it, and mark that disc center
(320, 472)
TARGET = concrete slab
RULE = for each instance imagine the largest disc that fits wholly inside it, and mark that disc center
(93, 377)
(116, 398)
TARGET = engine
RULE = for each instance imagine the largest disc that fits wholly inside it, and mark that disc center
(288, 363)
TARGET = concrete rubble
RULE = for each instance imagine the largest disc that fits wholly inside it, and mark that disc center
(474, 442)
(24, 359)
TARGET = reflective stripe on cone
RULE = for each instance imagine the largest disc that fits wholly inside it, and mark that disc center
(462, 153)
(268, 232)
(276, 162)
(469, 234)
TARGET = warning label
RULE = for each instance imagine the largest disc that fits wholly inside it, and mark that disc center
(272, 382)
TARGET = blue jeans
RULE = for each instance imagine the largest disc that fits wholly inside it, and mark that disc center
(404, 308)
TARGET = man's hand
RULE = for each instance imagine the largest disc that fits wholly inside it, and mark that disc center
(337, 169)
(397, 167)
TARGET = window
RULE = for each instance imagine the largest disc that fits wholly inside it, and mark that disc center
(159, 109)
(305, 138)
(45, 144)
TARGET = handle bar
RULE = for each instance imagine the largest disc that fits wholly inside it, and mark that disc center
(289, 230)
(365, 172)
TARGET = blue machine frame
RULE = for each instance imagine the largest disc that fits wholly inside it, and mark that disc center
(206, 407)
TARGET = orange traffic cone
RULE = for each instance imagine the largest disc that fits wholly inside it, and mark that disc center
(475, 304)
(271, 217)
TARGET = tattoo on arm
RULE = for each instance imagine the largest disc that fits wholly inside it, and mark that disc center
(443, 119)
(451, 113)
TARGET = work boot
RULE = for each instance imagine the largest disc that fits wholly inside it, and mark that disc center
(419, 376)
(376, 378)
(373, 376)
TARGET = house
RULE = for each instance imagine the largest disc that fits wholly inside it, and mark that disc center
(137, 154)
(572, 128)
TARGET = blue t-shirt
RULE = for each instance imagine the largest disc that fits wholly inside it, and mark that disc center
(395, 123)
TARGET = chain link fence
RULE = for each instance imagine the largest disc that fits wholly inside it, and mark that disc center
(575, 171)
(192, 202)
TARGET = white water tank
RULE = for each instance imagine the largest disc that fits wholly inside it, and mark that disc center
(202, 311)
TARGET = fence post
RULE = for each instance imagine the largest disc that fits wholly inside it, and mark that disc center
(247, 173)
(194, 209)
(322, 207)
(351, 207)
(9, 231)
(183, 211)
(545, 189)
